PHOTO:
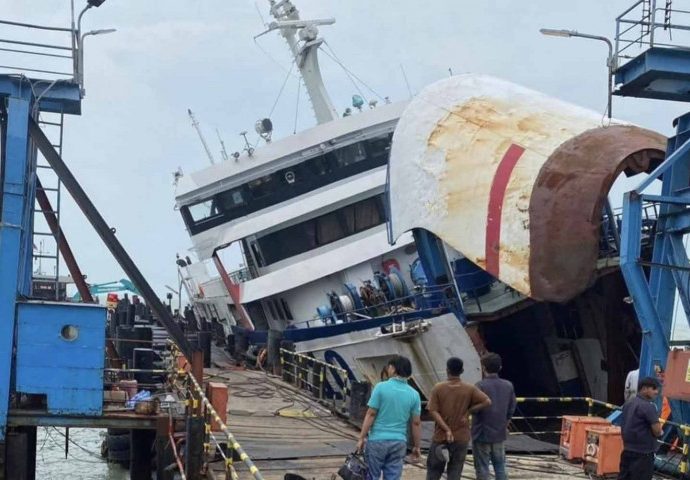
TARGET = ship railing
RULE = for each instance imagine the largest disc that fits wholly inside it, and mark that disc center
(608, 247)
(650, 23)
(328, 384)
(29, 49)
(241, 275)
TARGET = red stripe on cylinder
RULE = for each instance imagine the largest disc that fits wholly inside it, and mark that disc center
(496, 197)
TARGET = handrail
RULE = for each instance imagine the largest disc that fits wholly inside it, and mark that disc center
(635, 16)
(43, 41)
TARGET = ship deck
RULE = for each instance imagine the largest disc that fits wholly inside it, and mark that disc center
(284, 431)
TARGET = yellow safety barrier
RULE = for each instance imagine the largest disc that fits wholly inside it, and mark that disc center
(231, 438)
(303, 365)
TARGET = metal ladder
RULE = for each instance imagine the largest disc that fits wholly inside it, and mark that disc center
(647, 18)
(667, 14)
(52, 124)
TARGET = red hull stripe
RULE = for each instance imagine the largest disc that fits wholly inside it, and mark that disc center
(496, 197)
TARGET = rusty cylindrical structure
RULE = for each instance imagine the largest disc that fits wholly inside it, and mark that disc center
(513, 179)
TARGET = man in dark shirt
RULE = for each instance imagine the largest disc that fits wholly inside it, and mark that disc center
(490, 426)
(640, 427)
(450, 404)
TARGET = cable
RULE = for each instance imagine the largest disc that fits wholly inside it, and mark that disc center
(280, 93)
(348, 75)
(337, 60)
(299, 87)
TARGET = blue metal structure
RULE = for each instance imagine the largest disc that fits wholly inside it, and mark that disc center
(59, 351)
(660, 72)
(60, 355)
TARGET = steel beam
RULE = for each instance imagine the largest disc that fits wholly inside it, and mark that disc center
(108, 236)
(63, 244)
(15, 163)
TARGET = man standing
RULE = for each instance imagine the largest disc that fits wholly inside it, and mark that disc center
(631, 382)
(450, 405)
(490, 426)
(640, 428)
(392, 407)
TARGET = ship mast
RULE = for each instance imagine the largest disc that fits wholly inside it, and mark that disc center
(302, 37)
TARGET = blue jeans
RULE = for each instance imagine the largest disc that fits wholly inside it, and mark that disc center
(385, 457)
(485, 453)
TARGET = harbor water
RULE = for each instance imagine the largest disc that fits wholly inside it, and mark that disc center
(83, 462)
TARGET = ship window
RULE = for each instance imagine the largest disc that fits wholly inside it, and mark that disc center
(287, 183)
(232, 199)
(288, 313)
(257, 255)
(204, 210)
(272, 310)
(319, 166)
(278, 308)
(329, 228)
(348, 155)
(261, 186)
(368, 214)
(257, 315)
(322, 230)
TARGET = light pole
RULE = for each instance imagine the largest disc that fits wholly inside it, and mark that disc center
(80, 68)
(609, 60)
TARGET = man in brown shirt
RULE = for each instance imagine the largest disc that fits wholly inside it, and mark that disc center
(450, 405)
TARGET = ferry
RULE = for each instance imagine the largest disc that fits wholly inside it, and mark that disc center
(348, 256)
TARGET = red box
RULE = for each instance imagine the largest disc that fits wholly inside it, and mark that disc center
(574, 437)
(603, 450)
(217, 394)
(677, 375)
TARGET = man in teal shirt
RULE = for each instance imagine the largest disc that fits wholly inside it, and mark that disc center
(392, 407)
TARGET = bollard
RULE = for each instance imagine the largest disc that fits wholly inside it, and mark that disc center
(194, 457)
(143, 359)
(204, 339)
(123, 344)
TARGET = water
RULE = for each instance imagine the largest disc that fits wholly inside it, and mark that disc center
(83, 462)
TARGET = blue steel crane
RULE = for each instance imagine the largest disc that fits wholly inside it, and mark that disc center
(660, 72)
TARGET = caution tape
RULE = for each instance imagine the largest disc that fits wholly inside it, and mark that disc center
(231, 438)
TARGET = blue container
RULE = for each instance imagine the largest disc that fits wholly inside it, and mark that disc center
(60, 353)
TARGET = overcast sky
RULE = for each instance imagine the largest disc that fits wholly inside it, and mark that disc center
(171, 55)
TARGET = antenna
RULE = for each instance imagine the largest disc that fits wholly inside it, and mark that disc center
(195, 124)
(223, 152)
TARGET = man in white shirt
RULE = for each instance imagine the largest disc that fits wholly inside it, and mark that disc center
(631, 384)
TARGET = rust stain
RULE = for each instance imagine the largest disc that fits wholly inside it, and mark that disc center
(567, 201)
(561, 209)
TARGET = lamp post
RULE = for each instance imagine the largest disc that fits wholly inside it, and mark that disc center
(80, 68)
(609, 60)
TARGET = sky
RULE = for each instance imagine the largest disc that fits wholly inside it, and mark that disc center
(167, 56)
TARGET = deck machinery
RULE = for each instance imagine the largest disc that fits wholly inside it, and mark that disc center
(51, 353)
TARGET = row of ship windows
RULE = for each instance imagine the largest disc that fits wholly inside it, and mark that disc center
(287, 183)
(319, 231)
